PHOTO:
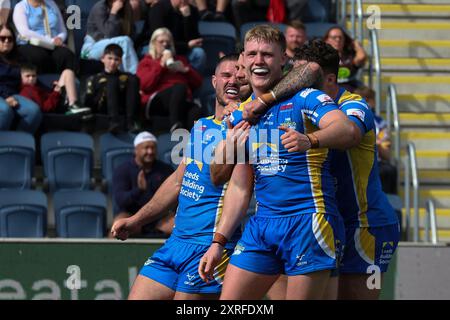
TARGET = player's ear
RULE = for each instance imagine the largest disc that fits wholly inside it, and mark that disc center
(214, 81)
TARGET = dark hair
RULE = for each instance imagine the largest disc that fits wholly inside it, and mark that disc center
(12, 56)
(28, 67)
(322, 53)
(228, 57)
(348, 49)
(113, 49)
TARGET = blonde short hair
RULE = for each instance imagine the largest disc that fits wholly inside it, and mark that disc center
(266, 33)
(158, 32)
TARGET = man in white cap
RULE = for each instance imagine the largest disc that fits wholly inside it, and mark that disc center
(136, 181)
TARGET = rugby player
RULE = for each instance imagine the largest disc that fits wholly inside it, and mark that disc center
(296, 227)
(171, 273)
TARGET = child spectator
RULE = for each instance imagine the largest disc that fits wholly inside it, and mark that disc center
(50, 100)
(114, 93)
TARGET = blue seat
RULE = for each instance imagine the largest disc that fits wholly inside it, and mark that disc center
(318, 29)
(114, 150)
(67, 158)
(16, 159)
(247, 26)
(317, 11)
(217, 37)
(80, 214)
(23, 214)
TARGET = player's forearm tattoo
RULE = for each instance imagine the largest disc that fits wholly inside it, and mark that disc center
(302, 76)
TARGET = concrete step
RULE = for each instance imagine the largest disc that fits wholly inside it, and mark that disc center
(442, 2)
(430, 177)
(420, 82)
(431, 159)
(439, 194)
(424, 120)
(431, 140)
(407, 10)
(415, 64)
(443, 235)
(405, 48)
(442, 215)
(412, 28)
(421, 102)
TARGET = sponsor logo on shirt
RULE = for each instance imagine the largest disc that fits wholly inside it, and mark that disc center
(306, 92)
(325, 99)
(360, 114)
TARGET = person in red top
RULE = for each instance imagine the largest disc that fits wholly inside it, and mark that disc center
(167, 81)
(50, 100)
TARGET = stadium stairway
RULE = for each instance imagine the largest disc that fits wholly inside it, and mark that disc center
(414, 44)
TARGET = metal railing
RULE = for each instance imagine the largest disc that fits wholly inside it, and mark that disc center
(356, 15)
(430, 218)
(411, 173)
(392, 117)
(375, 69)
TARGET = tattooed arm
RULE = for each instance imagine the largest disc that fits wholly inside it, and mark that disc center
(304, 75)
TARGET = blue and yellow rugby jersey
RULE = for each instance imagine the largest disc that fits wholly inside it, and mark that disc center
(200, 202)
(361, 201)
(288, 184)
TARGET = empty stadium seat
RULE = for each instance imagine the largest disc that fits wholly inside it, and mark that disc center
(318, 11)
(207, 96)
(317, 29)
(114, 150)
(67, 158)
(16, 159)
(217, 37)
(80, 214)
(165, 146)
(23, 214)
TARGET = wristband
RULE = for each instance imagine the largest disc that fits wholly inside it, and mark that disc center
(313, 141)
(220, 239)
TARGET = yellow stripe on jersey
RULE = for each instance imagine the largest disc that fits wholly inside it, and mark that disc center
(219, 209)
(315, 159)
(361, 159)
(219, 271)
(324, 234)
(365, 245)
(198, 163)
(213, 118)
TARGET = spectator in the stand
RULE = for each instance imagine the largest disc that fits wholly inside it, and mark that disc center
(249, 10)
(111, 21)
(136, 181)
(388, 172)
(42, 35)
(5, 8)
(113, 93)
(352, 54)
(296, 37)
(52, 101)
(167, 82)
(12, 105)
(208, 15)
(182, 21)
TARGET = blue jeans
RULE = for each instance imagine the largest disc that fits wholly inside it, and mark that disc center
(94, 50)
(27, 111)
(197, 59)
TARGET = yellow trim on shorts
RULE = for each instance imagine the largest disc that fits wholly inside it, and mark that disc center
(365, 245)
(219, 271)
(324, 234)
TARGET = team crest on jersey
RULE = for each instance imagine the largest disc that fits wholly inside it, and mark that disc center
(360, 114)
(307, 92)
(286, 107)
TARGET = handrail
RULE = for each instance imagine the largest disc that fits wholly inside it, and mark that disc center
(411, 172)
(341, 13)
(430, 218)
(375, 63)
(392, 112)
(353, 19)
(360, 14)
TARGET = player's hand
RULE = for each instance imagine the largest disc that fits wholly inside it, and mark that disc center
(12, 102)
(253, 111)
(123, 228)
(209, 262)
(235, 140)
(141, 180)
(294, 141)
(229, 109)
(57, 41)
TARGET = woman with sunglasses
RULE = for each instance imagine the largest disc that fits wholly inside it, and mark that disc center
(12, 105)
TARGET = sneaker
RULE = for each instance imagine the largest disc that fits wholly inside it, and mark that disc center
(219, 17)
(76, 109)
